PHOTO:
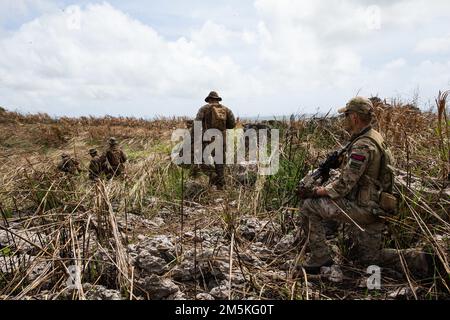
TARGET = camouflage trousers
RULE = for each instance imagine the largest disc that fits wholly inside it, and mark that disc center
(215, 171)
(318, 211)
(115, 171)
(367, 245)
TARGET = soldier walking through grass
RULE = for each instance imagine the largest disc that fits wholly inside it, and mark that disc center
(96, 165)
(69, 164)
(115, 159)
(214, 115)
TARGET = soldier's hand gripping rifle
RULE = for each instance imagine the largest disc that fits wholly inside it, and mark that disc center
(333, 161)
(307, 184)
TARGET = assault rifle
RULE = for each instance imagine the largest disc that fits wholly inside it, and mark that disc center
(333, 161)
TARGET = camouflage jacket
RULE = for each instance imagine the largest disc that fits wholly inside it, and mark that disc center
(115, 157)
(69, 166)
(359, 172)
(205, 116)
(96, 166)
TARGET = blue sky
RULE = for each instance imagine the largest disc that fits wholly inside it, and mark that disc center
(265, 57)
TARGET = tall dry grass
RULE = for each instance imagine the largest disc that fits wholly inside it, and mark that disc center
(81, 223)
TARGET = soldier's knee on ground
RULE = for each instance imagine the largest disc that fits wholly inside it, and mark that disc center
(365, 246)
(310, 207)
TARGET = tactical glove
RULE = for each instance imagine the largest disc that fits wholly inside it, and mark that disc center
(307, 193)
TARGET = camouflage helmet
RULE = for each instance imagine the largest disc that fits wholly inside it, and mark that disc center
(213, 95)
(112, 141)
(359, 105)
(64, 156)
(92, 152)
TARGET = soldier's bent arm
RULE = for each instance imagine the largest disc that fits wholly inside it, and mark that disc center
(124, 156)
(231, 122)
(109, 155)
(102, 163)
(201, 114)
(360, 156)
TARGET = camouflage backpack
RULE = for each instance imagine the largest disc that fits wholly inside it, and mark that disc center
(218, 117)
(114, 157)
(388, 200)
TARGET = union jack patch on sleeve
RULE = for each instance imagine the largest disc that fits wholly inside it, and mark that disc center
(358, 157)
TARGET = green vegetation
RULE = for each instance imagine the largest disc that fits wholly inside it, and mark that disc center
(62, 207)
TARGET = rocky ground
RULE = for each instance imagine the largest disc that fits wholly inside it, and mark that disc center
(134, 238)
(199, 260)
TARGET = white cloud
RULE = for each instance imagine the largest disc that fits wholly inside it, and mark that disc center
(284, 54)
(332, 45)
(440, 45)
(213, 35)
(395, 64)
(414, 13)
(12, 11)
(99, 53)
(294, 41)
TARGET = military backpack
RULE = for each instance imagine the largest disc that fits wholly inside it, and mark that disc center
(218, 117)
(385, 181)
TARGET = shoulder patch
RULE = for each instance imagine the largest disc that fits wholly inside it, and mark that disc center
(358, 157)
(355, 165)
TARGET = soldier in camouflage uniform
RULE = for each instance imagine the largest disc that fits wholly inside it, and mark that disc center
(214, 115)
(96, 165)
(354, 197)
(115, 159)
(69, 164)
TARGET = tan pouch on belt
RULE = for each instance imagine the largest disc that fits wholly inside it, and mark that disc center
(388, 202)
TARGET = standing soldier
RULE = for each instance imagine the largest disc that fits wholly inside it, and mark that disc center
(69, 164)
(96, 166)
(214, 115)
(115, 159)
(359, 196)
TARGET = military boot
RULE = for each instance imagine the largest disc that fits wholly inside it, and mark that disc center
(220, 174)
(313, 263)
(331, 228)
